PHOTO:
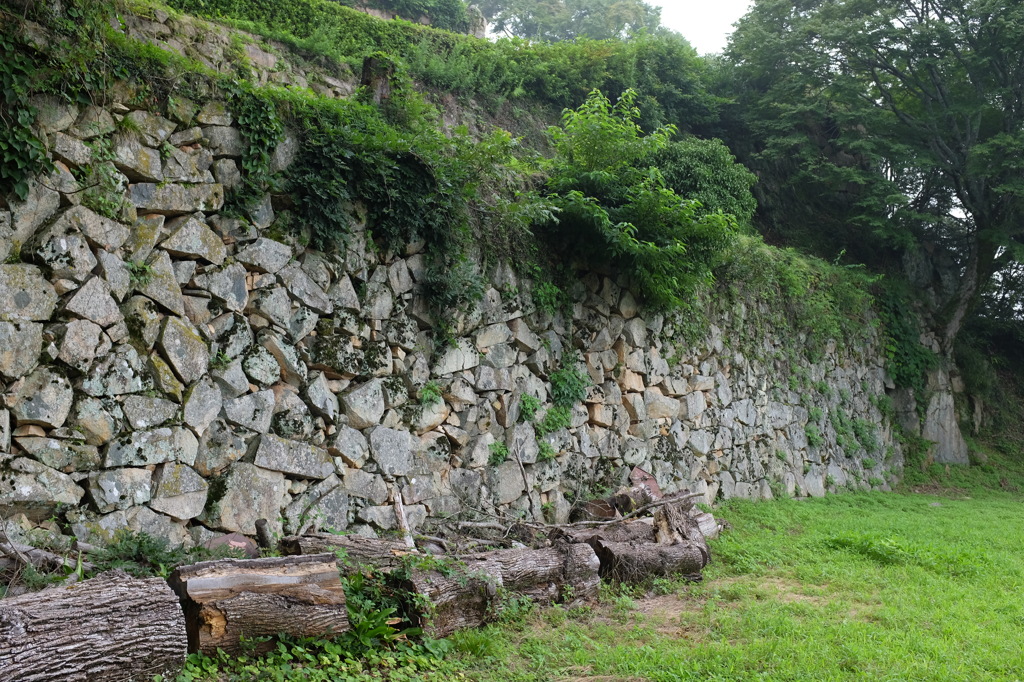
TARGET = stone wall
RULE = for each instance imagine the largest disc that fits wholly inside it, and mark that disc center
(184, 372)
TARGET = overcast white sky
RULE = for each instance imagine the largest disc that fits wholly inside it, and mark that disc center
(705, 23)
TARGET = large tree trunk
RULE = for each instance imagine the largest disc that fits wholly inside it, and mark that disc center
(228, 599)
(352, 552)
(109, 628)
(473, 594)
(633, 562)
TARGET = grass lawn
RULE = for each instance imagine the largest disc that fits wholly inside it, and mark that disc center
(904, 586)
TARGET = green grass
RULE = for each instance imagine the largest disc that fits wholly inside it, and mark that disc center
(877, 586)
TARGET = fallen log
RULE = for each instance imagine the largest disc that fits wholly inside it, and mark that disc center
(109, 628)
(229, 599)
(40, 558)
(352, 552)
(633, 562)
(472, 590)
(633, 530)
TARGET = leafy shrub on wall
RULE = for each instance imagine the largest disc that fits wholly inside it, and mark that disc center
(614, 207)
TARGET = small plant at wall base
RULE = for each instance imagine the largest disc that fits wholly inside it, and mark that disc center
(499, 453)
(528, 406)
(431, 393)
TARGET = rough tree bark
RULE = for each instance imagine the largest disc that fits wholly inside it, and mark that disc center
(357, 551)
(227, 599)
(111, 628)
(473, 594)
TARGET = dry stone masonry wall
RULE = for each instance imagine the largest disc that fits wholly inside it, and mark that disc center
(185, 372)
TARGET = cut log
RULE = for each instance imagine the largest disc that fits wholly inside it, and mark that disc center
(233, 598)
(352, 552)
(632, 562)
(472, 594)
(634, 530)
(110, 628)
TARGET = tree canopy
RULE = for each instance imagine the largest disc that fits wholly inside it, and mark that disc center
(895, 126)
(553, 20)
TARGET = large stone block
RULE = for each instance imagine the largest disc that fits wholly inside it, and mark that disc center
(44, 399)
(250, 493)
(391, 449)
(184, 348)
(34, 489)
(172, 199)
(120, 488)
(178, 491)
(190, 238)
(293, 457)
(364, 406)
(156, 446)
(20, 345)
(25, 294)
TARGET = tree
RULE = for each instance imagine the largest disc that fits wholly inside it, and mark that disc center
(554, 20)
(611, 206)
(903, 119)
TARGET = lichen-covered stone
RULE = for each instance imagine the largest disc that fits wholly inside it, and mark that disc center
(202, 404)
(265, 255)
(82, 341)
(274, 304)
(34, 489)
(291, 368)
(153, 128)
(93, 302)
(93, 420)
(253, 411)
(321, 400)
(44, 398)
(62, 455)
(67, 256)
(224, 141)
(192, 239)
(116, 374)
(94, 121)
(137, 162)
(227, 285)
(174, 199)
(292, 457)
(115, 273)
(392, 450)
(178, 491)
(220, 446)
(145, 412)
(250, 493)
(184, 348)
(25, 294)
(161, 284)
(261, 366)
(101, 232)
(304, 289)
(120, 488)
(364, 406)
(143, 236)
(324, 506)
(141, 448)
(20, 345)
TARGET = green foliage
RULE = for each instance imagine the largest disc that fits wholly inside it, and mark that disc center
(706, 171)
(22, 154)
(139, 273)
(557, 417)
(663, 68)
(815, 300)
(570, 19)
(907, 361)
(255, 113)
(568, 385)
(891, 133)
(528, 406)
(614, 207)
(104, 184)
(813, 433)
(549, 298)
(545, 451)
(431, 393)
(499, 453)
(866, 434)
